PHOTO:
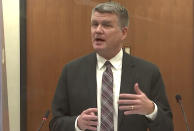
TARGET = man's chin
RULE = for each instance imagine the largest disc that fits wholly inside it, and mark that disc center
(100, 51)
(98, 48)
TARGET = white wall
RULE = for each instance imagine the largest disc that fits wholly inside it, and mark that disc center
(12, 48)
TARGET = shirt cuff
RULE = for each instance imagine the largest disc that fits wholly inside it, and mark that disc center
(153, 115)
(76, 127)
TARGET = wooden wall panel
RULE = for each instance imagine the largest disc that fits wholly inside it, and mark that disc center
(57, 32)
(162, 32)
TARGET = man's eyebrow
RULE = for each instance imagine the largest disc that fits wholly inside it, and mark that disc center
(106, 22)
(103, 22)
(94, 21)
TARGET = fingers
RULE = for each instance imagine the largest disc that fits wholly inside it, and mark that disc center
(130, 112)
(134, 103)
(133, 96)
(128, 96)
(128, 102)
(88, 119)
(91, 125)
(91, 128)
(133, 109)
(129, 108)
(89, 114)
(92, 113)
(137, 90)
(91, 110)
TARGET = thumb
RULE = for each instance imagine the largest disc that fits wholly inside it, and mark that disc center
(92, 113)
(137, 90)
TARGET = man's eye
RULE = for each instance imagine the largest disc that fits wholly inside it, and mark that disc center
(94, 24)
(106, 25)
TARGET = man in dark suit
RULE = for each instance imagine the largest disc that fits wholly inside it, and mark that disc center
(137, 95)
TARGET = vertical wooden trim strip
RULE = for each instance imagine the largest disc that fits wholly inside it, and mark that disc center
(191, 124)
(23, 96)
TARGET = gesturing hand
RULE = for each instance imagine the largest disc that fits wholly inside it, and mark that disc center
(88, 120)
(137, 103)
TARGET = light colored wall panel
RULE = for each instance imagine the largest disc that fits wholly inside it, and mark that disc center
(12, 48)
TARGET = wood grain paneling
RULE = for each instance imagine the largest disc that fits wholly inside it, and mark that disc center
(162, 32)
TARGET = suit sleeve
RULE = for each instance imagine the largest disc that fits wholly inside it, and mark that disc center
(62, 119)
(163, 120)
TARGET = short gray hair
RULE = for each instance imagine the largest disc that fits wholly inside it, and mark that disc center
(113, 8)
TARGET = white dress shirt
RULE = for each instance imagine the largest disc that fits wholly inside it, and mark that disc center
(116, 62)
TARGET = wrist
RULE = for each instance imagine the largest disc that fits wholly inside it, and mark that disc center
(151, 108)
(77, 128)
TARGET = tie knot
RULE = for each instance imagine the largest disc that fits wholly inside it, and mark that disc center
(108, 64)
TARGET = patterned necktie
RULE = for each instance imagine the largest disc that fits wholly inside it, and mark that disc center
(107, 109)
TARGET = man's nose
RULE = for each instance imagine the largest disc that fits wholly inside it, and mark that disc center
(99, 29)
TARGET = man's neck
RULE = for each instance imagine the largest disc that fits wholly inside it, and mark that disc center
(108, 55)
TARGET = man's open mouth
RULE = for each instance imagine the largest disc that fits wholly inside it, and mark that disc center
(99, 39)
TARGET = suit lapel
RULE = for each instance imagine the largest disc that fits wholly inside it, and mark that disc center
(127, 80)
(92, 86)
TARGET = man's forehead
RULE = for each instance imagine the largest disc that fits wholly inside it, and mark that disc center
(103, 16)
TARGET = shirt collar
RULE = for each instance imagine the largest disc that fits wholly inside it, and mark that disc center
(116, 61)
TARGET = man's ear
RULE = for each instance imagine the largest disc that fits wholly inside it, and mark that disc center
(124, 32)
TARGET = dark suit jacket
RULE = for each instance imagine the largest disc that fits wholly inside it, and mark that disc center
(76, 92)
